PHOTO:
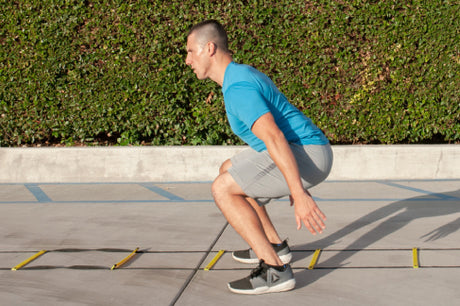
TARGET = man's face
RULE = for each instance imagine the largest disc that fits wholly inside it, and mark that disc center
(197, 57)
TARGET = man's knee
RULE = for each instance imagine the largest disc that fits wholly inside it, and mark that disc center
(219, 185)
(224, 184)
(225, 166)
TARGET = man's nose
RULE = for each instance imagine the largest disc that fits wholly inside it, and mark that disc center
(188, 62)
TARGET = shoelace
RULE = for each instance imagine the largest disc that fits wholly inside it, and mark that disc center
(260, 268)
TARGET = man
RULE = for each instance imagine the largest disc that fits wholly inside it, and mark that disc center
(288, 154)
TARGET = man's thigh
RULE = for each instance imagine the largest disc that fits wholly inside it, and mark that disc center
(258, 176)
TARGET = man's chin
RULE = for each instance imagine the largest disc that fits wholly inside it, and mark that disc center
(201, 77)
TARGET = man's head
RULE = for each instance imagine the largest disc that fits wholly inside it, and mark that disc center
(210, 31)
(205, 42)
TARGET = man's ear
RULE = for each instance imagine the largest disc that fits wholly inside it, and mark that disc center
(212, 48)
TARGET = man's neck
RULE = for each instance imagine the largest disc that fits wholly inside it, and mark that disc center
(221, 65)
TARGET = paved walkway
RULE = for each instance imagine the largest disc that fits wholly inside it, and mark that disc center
(377, 233)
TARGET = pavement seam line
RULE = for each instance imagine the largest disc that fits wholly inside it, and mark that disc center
(192, 275)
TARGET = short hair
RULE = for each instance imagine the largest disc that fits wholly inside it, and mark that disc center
(211, 31)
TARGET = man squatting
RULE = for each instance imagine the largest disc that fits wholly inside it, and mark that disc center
(287, 155)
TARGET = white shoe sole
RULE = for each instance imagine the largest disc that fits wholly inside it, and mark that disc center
(285, 286)
(284, 258)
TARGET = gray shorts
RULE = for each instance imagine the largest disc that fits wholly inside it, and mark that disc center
(259, 177)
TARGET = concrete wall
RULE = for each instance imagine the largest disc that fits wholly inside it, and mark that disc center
(201, 163)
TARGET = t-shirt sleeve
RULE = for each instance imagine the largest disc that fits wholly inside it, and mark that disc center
(246, 103)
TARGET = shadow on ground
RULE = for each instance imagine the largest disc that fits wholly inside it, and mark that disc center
(393, 217)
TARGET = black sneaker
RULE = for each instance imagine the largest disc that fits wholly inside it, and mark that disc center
(265, 279)
(248, 256)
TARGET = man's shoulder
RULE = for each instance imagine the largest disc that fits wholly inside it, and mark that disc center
(240, 71)
(241, 75)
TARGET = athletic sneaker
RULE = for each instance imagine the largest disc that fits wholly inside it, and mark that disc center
(265, 279)
(248, 256)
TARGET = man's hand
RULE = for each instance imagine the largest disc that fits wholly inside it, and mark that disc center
(307, 211)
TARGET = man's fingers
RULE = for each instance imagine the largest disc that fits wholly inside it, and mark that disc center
(309, 226)
(314, 223)
(320, 213)
(319, 221)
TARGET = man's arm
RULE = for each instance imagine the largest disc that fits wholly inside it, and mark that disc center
(306, 210)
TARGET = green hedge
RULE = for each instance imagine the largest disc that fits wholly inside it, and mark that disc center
(113, 72)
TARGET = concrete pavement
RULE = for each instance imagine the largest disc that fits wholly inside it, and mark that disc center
(366, 252)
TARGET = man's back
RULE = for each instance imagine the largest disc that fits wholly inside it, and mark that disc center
(248, 94)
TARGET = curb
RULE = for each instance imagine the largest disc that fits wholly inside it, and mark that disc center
(201, 163)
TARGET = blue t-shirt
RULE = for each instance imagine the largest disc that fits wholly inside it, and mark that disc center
(249, 94)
